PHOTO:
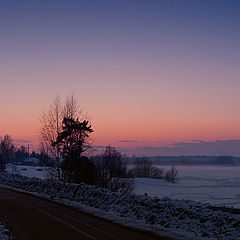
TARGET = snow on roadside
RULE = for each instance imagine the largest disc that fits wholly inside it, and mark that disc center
(218, 186)
(183, 217)
(4, 232)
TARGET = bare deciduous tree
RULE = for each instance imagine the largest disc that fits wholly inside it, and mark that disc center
(172, 175)
(71, 109)
(111, 170)
(143, 168)
(50, 126)
(157, 173)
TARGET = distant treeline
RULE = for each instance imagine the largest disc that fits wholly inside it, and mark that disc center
(192, 160)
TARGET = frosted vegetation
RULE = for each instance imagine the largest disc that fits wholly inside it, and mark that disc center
(144, 168)
(4, 232)
(219, 186)
(185, 217)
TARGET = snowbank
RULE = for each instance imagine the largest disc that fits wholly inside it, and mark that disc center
(4, 232)
(187, 217)
(218, 186)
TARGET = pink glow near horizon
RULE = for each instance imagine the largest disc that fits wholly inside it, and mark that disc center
(144, 80)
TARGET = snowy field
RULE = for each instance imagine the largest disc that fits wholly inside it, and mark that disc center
(28, 171)
(216, 185)
(208, 184)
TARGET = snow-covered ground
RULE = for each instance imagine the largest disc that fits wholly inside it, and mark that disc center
(216, 185)
(28, 171)
(208, 184)
(181, 217)
(4, 232)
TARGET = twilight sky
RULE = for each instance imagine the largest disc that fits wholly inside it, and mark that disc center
(152, 75)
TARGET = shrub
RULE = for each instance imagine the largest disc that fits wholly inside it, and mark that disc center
(143, 169)
(111, 171)
(171, 175)
(157, 173)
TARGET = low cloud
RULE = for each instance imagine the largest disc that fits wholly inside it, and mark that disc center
(197, 141)
(127, 141)
(99, 146)
(102, 147)
(22, 141)
(196, 147)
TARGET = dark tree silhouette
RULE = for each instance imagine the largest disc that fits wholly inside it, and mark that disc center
(72, 142)
(2, 163)
(6, 151)
(79, 170)
(172, 175)
(112, 171)
(50, 126)
(143, 168)
(20, 154)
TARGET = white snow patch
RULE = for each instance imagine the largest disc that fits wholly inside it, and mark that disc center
(4, 232)
(28, 171)
(216, 185)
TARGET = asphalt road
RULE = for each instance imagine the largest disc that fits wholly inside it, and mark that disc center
(33, 218)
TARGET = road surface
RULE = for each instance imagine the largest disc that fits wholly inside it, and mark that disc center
(33, 218)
